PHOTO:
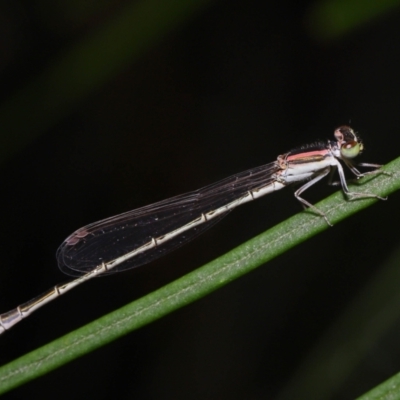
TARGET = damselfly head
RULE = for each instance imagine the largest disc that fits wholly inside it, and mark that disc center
(349, 144)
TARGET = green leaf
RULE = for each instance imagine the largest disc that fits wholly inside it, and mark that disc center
(388, 390)
(197, 284)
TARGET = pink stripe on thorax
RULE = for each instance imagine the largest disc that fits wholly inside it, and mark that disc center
(308, 154)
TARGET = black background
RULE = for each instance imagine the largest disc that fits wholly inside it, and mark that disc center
(233, 87)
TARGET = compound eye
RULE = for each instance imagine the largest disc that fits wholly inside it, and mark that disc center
(351, 149)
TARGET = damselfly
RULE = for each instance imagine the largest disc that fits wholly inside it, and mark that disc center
(137, 237)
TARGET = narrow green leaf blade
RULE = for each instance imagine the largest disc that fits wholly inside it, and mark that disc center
(195, 285)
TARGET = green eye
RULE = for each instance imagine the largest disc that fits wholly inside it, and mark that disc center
(351, 149)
